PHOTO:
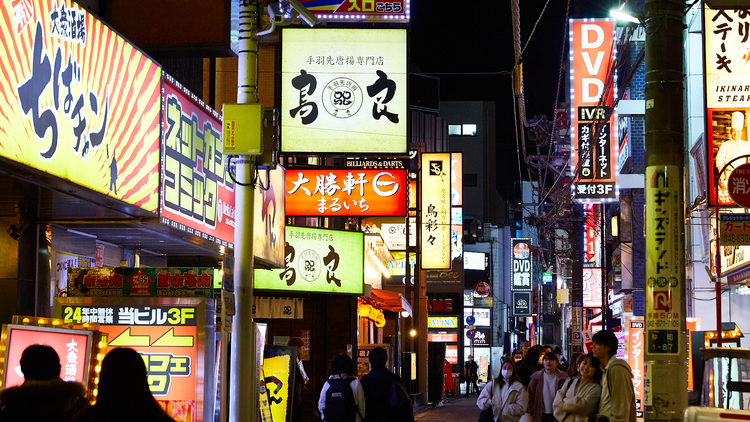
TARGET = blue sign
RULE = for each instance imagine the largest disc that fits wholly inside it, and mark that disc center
(470, 320)
(471, 333)
(577, 303)
(577, 335)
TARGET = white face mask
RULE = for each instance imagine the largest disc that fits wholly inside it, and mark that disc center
(506, 373)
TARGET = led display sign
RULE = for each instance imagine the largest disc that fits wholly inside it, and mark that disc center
(360, 193)
(318, 260)
(442, 322)
(343, 90)
(78, 101)
(592, 95)
(727, 95)
(140, 282)
(436, 212)
(521, 258)
(474, 261)
(522, 304)
(359, 10)
(442, 337)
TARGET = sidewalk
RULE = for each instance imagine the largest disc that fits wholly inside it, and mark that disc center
(455, 409)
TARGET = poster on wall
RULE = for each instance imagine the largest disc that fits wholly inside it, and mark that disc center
(592, 96)
(140, 282)
(727, 95)
(63, 261)
(318, 260)
(78, 101)
(343, 90)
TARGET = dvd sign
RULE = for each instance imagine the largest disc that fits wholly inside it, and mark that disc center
(521, 256)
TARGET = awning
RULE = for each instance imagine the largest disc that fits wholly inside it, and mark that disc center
(384, 299)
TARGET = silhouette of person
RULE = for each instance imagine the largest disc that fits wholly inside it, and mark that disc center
(124, 393)
(113, 174)
(43, 396)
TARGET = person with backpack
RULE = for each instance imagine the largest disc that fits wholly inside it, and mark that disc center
(505, 395)
(387, 400)
(342, 398)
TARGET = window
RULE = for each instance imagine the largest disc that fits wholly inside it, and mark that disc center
(454, 129)
(469, 130)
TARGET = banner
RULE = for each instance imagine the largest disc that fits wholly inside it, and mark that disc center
(318, 260)
(343, 91)
(339, 193)
(78, 101)
(436, 212)
(592, 96)
(727, 94)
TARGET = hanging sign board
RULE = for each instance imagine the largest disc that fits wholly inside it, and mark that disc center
(436, 212)
(521, 271)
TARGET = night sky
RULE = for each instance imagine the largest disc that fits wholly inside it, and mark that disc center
(476, 37)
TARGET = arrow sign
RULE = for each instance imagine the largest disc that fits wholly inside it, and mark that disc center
(127, 340)
(170, 340)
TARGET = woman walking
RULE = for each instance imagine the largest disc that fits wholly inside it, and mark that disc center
(578, 399)
(505, 394)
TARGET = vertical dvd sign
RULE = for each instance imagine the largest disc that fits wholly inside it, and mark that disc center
(592, 96)
(521, 257)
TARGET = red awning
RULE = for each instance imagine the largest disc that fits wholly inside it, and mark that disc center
(384, 299)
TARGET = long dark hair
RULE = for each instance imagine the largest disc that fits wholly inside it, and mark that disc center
(531, 361)
(499, 380)
(573, 365)
(596, 363)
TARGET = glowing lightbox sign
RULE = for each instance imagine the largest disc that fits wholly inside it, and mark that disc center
(343, 90)
(521, 257)
(727, 94)
(442, 322)
(318, 260)
(78, 101)
(359, 10)
(318, 192)
(436, 211)
(593, 90)
(457, 179)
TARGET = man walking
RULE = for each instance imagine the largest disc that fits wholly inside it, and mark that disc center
(471, 377)
(385, 397)
(617, 402)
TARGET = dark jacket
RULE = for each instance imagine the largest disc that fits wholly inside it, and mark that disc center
(385, 397)
(524, 373)
(43, 401)
(470, 371)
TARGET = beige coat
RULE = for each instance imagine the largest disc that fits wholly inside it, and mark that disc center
(576, 402)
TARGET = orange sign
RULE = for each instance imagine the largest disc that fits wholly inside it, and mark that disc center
(346, 192)
(636, 356)
(78, 101)
(592, 97)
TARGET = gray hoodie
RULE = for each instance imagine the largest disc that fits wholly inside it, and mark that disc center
(618, 397)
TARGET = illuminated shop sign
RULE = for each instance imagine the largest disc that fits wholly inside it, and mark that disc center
(79, 102)
(521, 257)
(318, 260)
(457, 179)
(346, 192)
(474, 261)
(522, 304)
(442, 337)
(436, 211)
(481, 316)
(442, 322)
(394, 235)
(592, 96)
(592, 287)
(359, 10)
(343, 90)
(727, 94)
(140, 282)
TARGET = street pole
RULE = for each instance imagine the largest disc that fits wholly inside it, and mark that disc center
(576, 288)
(666, 355)
(243, 394)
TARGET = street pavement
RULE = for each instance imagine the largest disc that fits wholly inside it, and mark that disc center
(457, 409)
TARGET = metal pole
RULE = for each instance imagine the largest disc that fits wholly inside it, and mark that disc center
(666, 354)
(243, 394)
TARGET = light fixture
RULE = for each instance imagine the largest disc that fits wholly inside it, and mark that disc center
(221, 268)
(413, 332)
(622, 16)
(404, 314)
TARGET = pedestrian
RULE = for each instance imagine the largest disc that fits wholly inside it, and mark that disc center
(43, 396)
(470, 376)
(575, 360)
(561, 358)
(124, 393)
(385, 396)
(517, 356)
(531, 363)
(543, 387)
(578, 398)
(505, 394)
(524, 351)
(617, 403)
(342, 398)
(548, 349)
(448, 372)
(300, 378)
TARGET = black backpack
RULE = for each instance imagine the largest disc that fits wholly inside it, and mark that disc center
(340, 405)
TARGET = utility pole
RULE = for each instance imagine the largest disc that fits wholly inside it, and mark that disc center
(666, 356)
(576, 289)
(243, 394)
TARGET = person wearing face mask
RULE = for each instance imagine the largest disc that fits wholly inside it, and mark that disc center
(578, 398)
(505, 394)
(471, 377)
(543, 387)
